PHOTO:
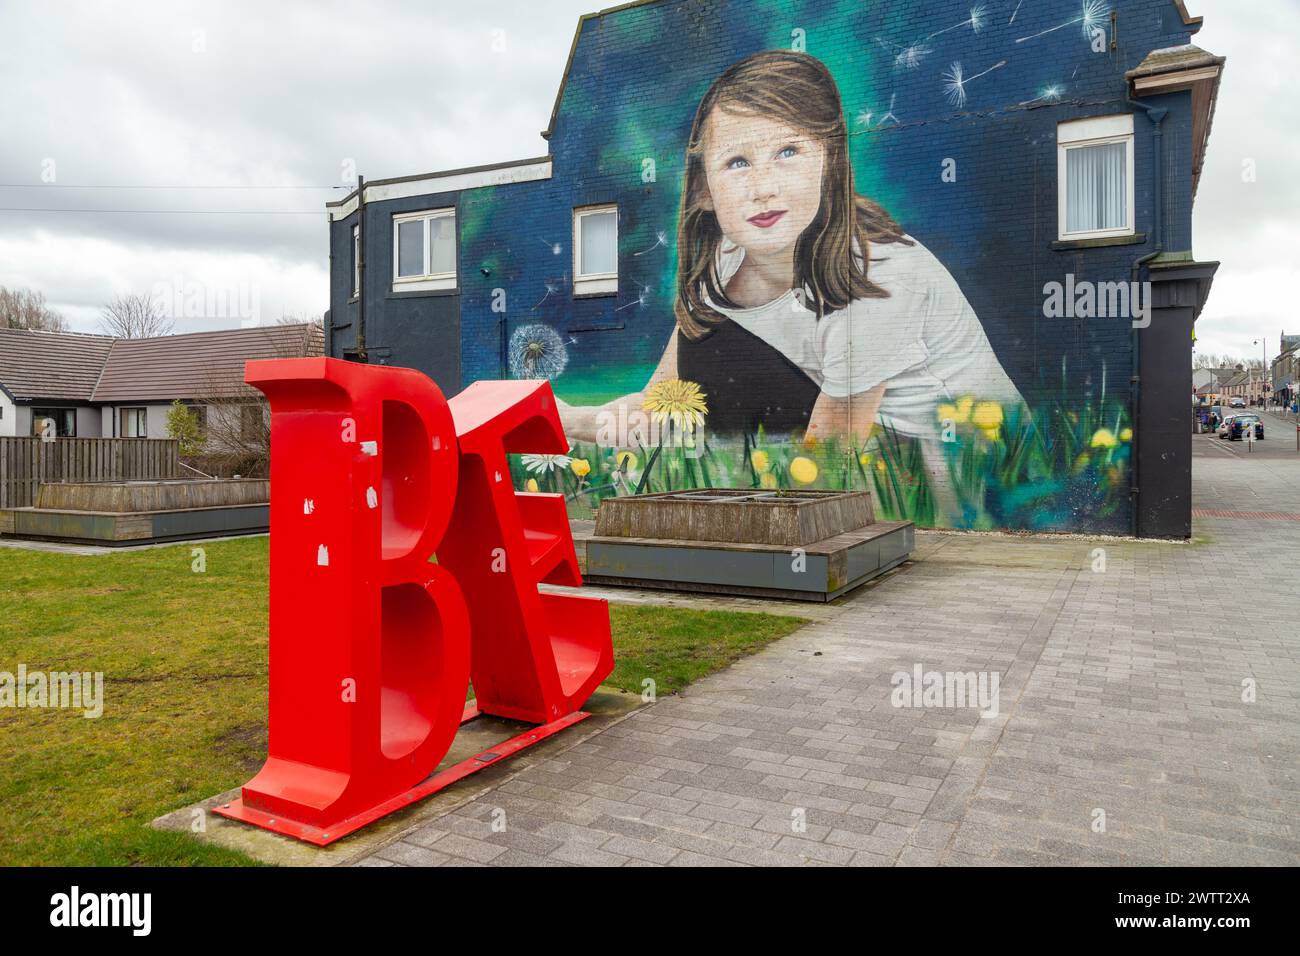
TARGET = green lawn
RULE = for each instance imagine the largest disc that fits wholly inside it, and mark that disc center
(184, 663)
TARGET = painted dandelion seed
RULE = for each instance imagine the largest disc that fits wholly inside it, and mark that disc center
(661, 239)
(954, 82)
(975, 21)
(1049, 94)
(537, 351)
(642, 298)
(551, 289)
(1091, 17)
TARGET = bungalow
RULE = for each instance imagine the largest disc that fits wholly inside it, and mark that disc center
(98, 386)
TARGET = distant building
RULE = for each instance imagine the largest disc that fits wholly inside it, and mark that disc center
(97, 386)
(1285, 371)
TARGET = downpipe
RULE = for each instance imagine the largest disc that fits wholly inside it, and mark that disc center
(1156, 115)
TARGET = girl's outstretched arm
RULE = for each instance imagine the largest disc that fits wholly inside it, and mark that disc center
(837, 417)
(583, 422)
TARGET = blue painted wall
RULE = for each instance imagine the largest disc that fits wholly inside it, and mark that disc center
(636, 78)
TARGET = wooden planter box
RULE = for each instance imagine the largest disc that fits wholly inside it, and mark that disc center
(807, 545)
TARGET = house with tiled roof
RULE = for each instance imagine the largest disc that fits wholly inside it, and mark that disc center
(98, 386)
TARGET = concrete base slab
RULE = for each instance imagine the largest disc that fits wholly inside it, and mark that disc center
(607, 706)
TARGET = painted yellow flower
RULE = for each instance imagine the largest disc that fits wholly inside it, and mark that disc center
(880, 465)
(958, 412)
(803, 470)
(1126, 435)
(1104, 438)
(581, 467)
(626, 461)
(1081, 462)
(767, 480)
(865, 459)
(531, 484)
(678, 401)
(759, 460)
(987, 414)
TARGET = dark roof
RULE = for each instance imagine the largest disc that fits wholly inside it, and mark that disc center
(199, 364)
(1174, 58)
(51, 365)
(67, 366)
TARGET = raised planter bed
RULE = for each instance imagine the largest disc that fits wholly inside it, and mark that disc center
(141, 512)
(808, 545)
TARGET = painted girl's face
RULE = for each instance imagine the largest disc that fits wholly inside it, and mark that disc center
(764, 180)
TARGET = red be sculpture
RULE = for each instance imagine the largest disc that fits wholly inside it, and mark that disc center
(372, 645)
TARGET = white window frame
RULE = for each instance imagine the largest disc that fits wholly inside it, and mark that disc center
(596, 283)
(1096, 131)
(356, 260)
(429, 281)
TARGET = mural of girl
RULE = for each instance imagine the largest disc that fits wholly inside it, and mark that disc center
(802, 306)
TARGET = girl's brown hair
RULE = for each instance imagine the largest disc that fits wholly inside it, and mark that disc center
(798, 90)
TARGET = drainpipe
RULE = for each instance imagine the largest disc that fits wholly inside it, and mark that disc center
(361, 269)
(1156, 115)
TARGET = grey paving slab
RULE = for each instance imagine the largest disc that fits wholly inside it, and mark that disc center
(1126, 731)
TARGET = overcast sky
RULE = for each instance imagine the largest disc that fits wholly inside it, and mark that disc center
(140, 100)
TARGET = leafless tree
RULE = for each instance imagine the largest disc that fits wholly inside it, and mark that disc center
(304, 318)
(237, 429)
(26, 309)
(133, 316)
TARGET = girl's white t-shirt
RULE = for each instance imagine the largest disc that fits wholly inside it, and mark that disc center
(924, 342)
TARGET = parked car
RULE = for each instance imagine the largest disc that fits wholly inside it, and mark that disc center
(1235, 427)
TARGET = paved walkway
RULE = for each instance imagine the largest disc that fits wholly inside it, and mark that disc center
(1121, 704)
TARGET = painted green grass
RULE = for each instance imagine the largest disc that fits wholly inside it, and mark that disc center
(1065, 463)
(184, 662)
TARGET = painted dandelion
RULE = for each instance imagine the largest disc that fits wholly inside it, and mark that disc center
(954, 82)
(677, 401)
(537, 351)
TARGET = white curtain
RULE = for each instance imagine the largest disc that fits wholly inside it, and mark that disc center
(442, 245)
(1096, 187)
(599, 252)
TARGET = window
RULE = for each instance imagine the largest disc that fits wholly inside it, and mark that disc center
(200, 413)
(356, 261)
(135, 423)
(424, 250)
(1095, 177)
(64, 419)
(595, 250)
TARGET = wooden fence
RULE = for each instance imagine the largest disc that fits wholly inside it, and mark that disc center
(26, 462)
